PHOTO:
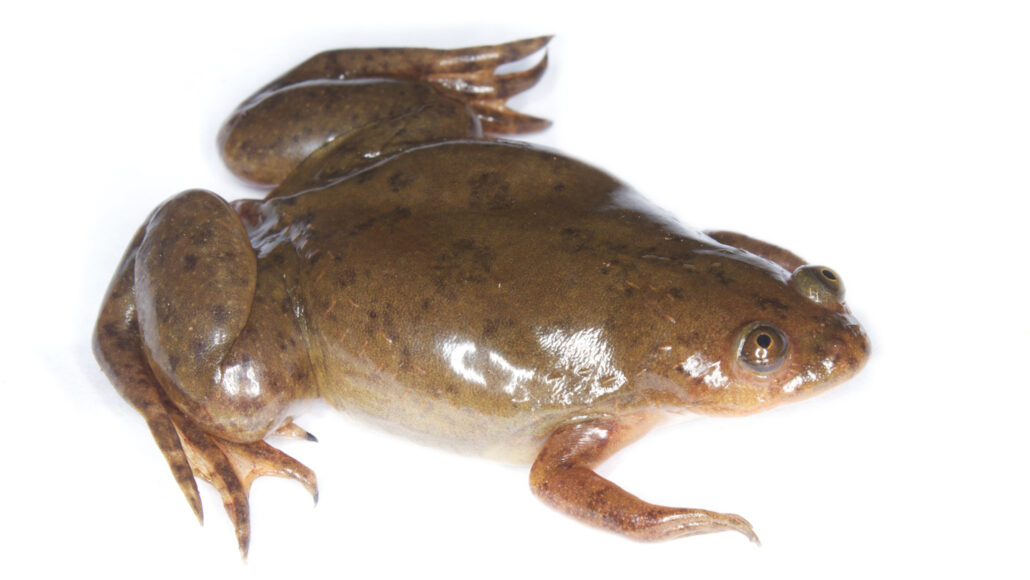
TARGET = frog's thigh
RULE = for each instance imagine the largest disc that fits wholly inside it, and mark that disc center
(563, 477)
(264, 142)
(195, 276)
(442, 120)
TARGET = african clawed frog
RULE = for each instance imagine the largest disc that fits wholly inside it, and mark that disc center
(484, 295)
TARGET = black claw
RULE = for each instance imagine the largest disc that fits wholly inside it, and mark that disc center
(311, 437)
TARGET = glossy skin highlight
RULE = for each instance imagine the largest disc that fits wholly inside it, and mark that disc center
(485, 296)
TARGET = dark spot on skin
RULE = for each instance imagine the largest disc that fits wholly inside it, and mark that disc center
(575, 240)
(766, 303)
(165, 311)
(720, 276)
(676, 293)
(372, 314)
(201, 236)
(558, 187)
(191, 262)
(597, 502)
(365, 224)
(390, 218)
(489, 328)
(220, 314)
(346, 278)
(399, 180)
(199, 348)
(298, 374)
(490, 190)
(465, 261)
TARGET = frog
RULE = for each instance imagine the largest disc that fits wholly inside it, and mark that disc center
(414, 267)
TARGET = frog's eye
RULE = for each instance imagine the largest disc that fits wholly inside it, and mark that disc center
(819, 284)
(764, 348)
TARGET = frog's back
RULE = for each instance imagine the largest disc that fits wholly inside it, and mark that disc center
(474, 294)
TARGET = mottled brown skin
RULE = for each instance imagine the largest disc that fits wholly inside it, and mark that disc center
(486, 296)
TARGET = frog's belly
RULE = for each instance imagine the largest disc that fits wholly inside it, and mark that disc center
(432, 416)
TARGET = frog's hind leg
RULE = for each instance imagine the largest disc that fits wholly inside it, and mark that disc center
(373, 102)
(467, 74)
(120, 346)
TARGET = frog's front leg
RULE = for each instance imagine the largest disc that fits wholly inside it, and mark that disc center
(563, 477)
(169, 330)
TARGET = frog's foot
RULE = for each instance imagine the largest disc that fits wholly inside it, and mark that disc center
(232, 467)
(563, 477)
(470, 77)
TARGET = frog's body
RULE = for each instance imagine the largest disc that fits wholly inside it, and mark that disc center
(485, 296)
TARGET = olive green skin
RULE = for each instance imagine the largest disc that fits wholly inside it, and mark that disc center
(478, 294)
(486, 296)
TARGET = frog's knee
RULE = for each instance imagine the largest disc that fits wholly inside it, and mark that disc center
(194, 280)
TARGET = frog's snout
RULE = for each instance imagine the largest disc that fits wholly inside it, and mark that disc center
(842, 351)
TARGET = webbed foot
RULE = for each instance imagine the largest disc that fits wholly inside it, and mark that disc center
(232, 467)
(469, 74)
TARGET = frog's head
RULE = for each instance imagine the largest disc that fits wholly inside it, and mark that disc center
(793, 344)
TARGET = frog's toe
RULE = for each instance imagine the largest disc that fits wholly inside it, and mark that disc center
(496, 117)
(152, 404)
(485, 84)
(730, 522)
(291, 430)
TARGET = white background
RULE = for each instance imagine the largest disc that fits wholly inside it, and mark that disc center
(888, 139)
